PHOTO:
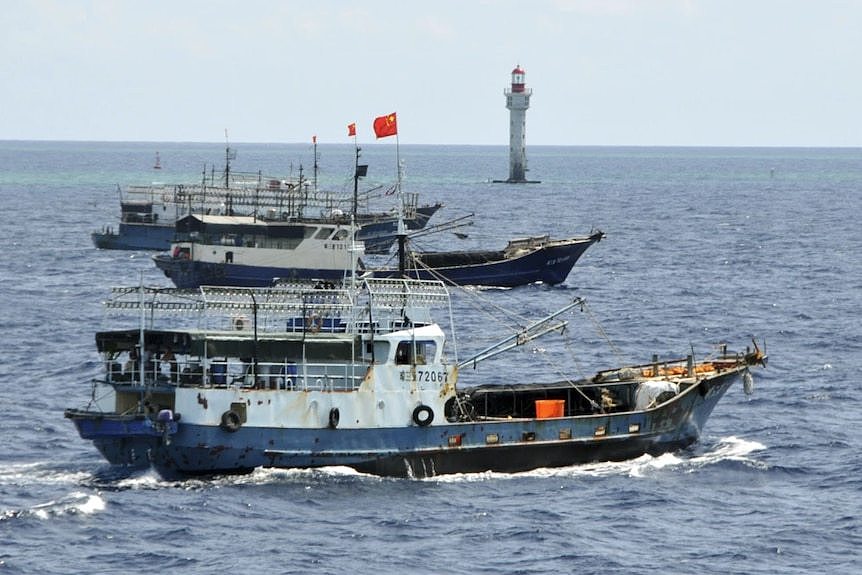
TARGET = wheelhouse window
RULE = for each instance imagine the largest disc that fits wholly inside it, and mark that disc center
(323, 233)
(379, 351)
(417, 352)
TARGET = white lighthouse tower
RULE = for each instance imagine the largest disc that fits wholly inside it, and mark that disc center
(517, 102)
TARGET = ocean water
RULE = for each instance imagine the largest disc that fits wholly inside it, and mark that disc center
(703, 246)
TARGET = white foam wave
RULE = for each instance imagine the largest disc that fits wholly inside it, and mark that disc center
(93, 504)
(42, 473)
(727, 449)
(263, 476)
(632, 467)
(730, 448)
(148, 479)
(73, 504)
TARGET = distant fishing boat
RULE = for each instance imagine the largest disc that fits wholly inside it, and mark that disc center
(148, 214)
(147, 218)
(226, 380)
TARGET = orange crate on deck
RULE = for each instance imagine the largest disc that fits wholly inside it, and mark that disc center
(547, 408)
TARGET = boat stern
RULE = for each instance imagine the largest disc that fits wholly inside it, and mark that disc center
(124, 439)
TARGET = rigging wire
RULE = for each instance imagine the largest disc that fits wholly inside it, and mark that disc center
(601, 331)
(516, 321)
(520, 319)
(553, 365)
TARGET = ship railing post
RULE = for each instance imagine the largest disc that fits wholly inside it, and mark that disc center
(141, 361)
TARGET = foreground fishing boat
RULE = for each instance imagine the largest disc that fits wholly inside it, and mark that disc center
(303, 376)
(523, 261)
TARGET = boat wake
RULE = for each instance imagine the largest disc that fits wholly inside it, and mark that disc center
(105, 478)
(39, 473)
(149, 479)
(726, 449)
(730, 448)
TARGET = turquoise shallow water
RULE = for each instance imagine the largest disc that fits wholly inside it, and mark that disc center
(703, 245)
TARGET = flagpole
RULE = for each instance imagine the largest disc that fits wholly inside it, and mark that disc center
(355, 180)
(358, 172)
(402, 229)
(353, 232)
(398, 163)
(226, 160)
(314, 141)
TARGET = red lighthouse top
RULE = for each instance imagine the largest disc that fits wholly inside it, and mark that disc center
(517, 79)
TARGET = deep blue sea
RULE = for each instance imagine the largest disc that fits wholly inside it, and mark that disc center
(703, 245)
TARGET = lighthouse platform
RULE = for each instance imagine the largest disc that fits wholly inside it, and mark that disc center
(516, 181)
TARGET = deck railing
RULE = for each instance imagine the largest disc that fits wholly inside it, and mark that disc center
(224, 373)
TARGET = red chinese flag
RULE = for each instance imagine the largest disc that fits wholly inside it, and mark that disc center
(351, 129)
(385, 126)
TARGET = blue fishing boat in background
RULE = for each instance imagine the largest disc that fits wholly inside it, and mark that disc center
(149, 214)
(147, 219)
(242, 251)
(523, 261)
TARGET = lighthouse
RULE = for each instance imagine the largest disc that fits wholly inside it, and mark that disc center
(517, 102)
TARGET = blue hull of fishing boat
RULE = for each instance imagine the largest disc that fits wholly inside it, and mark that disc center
(188, 274)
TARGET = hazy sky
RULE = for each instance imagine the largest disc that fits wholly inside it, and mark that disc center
(603, 72)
